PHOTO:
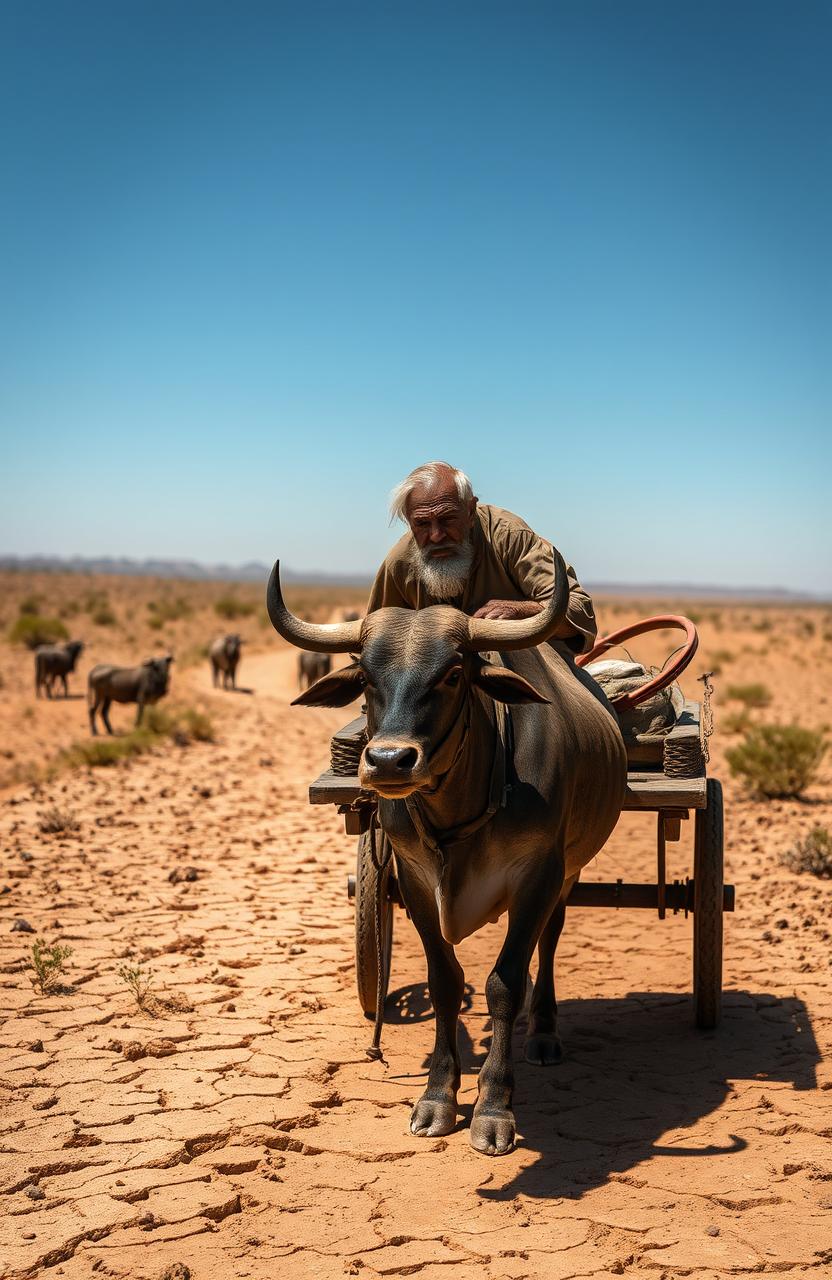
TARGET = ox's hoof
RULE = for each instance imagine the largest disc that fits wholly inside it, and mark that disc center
(543, 1049)
(432, 1119)
(493, 1133)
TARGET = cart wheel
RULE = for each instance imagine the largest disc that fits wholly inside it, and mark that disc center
(366, 879)
(707, 909)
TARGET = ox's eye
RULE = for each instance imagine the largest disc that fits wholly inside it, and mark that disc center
(452, 679)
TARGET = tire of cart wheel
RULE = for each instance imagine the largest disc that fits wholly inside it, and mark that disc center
(366, 880)
(707, 909)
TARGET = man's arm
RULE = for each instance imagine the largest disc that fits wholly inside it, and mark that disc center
(528, 560)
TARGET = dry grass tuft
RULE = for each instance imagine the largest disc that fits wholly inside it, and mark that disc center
(813, 854)
(55, 821)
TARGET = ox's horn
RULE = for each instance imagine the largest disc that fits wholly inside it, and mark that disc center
(523, 633)
(330, 637)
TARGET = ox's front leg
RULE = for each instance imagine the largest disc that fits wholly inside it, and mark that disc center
(435, 1112)
(492, 1125)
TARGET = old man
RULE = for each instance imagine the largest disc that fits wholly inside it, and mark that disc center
(485, 561)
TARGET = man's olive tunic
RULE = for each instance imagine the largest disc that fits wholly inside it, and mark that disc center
(510, 563)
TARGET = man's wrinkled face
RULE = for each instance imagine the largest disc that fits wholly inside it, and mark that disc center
(439, 522)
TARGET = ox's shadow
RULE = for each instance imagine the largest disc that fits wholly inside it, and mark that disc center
(635, 1069)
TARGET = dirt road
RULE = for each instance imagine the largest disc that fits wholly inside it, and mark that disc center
(241, 1131)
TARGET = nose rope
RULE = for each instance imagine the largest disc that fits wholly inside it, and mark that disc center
(380, 862)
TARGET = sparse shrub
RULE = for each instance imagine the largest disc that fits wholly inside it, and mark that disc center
(32, 630)
(181, 725)
(813, 854)
(69, 610)
(101, 752)
(723, 656)
(140, 983)
(198, 725)
(763, 624)
(55, 821)
(192, 656)
(752, 695)
(230, 607)
(168, 610)
(103, 616)
(29, 605)
(736, 721)
(778, 760)
(48, 964)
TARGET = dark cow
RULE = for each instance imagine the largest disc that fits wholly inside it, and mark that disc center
(483, 818)
(55, 662)
(225, 656)
(312, 667)
(143, 685)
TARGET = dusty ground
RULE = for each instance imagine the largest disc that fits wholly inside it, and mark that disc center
(240, 1129)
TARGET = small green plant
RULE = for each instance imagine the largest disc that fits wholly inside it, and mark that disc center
(55, 821)
(231, 607)
(29, 606)
(752, 695)
(104, 616)
(813, 854)
(778, 760)
(32, 630)
(48, 964)
(140, 983)
(722, 656)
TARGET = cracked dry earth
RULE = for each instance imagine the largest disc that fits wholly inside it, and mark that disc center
(238, 1127)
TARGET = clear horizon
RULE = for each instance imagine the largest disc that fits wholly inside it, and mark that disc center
(260, 263)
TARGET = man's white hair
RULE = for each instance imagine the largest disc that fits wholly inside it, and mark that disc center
(428, 476)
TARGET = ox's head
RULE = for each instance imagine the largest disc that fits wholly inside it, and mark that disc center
(232, 646)
(157, 675)
(74, 648)
(416, 670)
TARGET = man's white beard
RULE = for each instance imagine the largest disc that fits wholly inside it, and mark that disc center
(445, 577)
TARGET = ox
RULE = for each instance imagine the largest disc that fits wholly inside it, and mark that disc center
(312, 667)
(144, 685)
(55, 662)
(467, 851)
(225, 656)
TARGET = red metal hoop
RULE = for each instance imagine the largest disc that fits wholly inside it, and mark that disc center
(662, 621)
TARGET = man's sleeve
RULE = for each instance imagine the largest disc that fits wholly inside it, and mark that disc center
(528, 559)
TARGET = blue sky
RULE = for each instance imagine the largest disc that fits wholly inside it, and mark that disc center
(259, 260)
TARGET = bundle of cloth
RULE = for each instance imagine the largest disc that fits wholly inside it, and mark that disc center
(654, 717)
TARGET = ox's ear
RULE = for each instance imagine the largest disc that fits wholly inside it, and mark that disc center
(334, 690)
(505, 686)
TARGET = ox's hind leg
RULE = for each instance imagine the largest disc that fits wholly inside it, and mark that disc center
(543, 1046)
(435, 1112)
(105, 714)
(492, 1125)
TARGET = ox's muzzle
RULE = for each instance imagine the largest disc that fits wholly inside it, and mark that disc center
(392, 767)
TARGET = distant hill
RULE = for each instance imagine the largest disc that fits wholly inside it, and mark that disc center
(253, 571)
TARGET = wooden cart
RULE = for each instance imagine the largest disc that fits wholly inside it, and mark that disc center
(666, 777)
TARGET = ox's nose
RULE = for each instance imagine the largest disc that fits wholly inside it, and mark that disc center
(392, 759)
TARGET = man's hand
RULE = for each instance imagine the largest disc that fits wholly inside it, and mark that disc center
(509, 609)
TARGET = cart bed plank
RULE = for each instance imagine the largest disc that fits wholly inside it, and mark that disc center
(644, 791)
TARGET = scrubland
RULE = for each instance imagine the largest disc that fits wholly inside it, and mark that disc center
(182, 1062)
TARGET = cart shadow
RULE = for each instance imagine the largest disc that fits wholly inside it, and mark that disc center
(634, 1069)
